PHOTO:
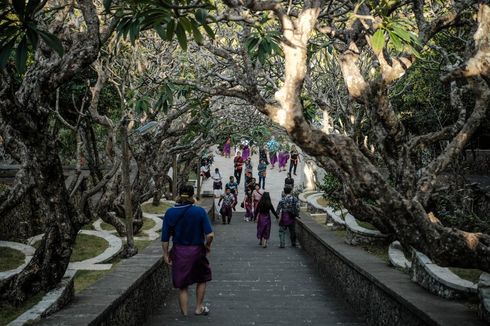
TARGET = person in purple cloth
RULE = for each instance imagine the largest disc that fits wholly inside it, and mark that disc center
(263, 216)
(283, 159)
(288, 210)
(227, 147)
(189, 227)
(245, 152)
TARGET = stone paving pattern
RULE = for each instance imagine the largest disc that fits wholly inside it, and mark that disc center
(256, 286)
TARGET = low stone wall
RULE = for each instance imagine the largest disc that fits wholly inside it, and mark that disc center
(382, 294)
(439, 280)
(484, 296)
(126, 296)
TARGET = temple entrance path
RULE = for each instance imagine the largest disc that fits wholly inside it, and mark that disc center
(274, 182)
(256, 286)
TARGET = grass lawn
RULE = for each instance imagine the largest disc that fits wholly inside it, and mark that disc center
(88, 227)
(10, 259)
(147, 224)
(8, 313)
(160, 209)
(84, 279)
(87, 246)
(472, 275)
(322, 201)
(366, 225)
(106, 226)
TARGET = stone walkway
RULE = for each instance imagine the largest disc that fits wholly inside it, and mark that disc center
(274, 182)
(256, 286)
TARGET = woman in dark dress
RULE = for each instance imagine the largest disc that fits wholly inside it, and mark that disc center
(263, 216)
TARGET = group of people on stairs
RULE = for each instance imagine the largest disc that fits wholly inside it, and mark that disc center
(189, 228)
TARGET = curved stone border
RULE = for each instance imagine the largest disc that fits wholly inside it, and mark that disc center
(357, 235)
(334, 217)
(151, 234)
(439, 280)
(98, 227)
(313, 205)
(51, 302)
(94, 263)
(397, 257)
(126, 296)
(380, 293)
(304, 200)
(27, 250)
(484, 296)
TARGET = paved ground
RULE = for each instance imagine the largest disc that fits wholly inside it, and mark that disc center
(274, 182)
(256, 286)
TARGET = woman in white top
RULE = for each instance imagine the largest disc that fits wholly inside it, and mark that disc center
(217, 183)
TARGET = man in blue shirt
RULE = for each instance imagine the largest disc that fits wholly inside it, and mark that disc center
(188, 226)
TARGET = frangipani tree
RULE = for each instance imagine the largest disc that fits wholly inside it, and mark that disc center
(383, 179)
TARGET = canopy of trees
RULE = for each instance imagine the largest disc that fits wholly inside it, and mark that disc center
(385, 95)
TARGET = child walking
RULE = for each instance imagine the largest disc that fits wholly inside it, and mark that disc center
(248, 204)
(226, 210)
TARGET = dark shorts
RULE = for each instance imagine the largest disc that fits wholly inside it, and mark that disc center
(189, 265)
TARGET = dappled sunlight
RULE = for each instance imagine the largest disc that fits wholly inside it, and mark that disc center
(310, 177)
(471, 239)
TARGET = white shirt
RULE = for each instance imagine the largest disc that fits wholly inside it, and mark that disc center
(216, 176)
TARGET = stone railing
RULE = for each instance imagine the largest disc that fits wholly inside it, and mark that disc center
(135, 288)
(126, 295)
(439, 280)
(51, 302)
(484, 296)
(397, 257)
(375, 290)
(356, 234)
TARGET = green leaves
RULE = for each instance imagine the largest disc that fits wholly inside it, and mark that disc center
(394, 33)
(52, 41)
(260, 46)
(201, 16)
(181, 35)
(19, 32)
(164, 17)
(378, 41)
(21, 55)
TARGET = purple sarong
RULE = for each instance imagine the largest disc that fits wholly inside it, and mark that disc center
(273, 158)
(189, 265)
(286, 219)
(246, 153)
(226, 149)
(283, 159)
(263, 226)
(280, 158)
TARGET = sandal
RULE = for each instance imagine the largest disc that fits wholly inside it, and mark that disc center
(204, 311)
